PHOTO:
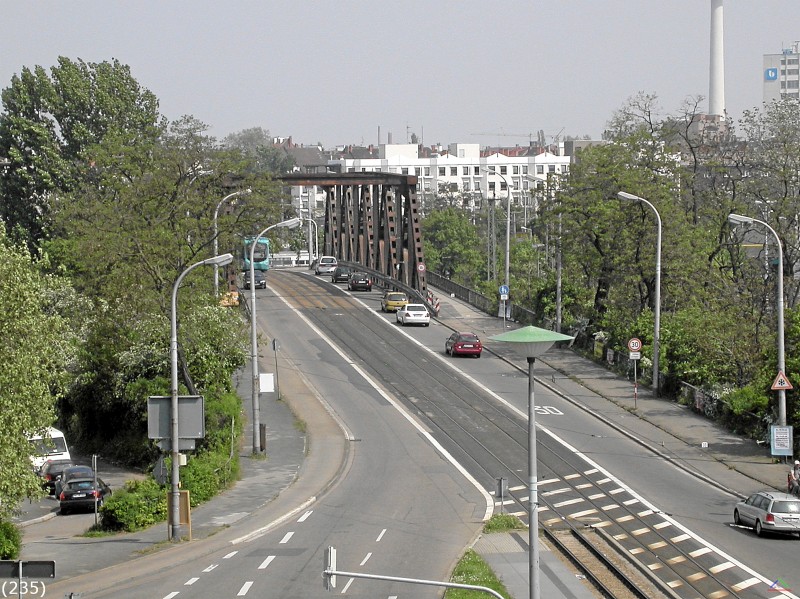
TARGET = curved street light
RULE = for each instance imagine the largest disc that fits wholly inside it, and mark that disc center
(216, 215)
(493, 171)
(288, 224)
(657, 308)
(739, 219)
(174, 515)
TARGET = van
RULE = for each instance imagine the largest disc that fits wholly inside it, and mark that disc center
(50, 446)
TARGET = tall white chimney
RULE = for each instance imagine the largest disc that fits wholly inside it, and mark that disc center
(716, 86)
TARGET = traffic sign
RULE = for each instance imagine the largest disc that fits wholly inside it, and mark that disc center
(503, 289)
(421, 267)
(634, 344)
(781, 382)
(635, 355)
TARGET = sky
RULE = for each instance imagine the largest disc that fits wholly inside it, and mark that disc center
(450, 71)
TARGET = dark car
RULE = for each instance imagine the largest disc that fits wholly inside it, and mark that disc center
(70, 473)
(463, 344)
(50, 471)
(341, 274)
(359, 281)
(260, 277)
(82, 494)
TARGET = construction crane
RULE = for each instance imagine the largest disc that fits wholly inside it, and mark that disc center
(530, 136)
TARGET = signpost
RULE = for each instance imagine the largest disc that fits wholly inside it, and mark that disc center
(634, 345)
(503, 290)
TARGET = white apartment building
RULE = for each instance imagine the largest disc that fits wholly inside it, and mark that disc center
(462, 171)
(782, 74)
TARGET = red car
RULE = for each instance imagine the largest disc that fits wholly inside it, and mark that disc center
(466, 344)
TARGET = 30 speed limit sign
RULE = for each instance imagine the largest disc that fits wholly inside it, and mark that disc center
(634, 344)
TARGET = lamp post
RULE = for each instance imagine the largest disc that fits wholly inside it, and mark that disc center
(533, 341)
(289, 224)
(738, 219)
(174, 515)
(508, 223)
(313, 247)
(216, 215)
(657, 308)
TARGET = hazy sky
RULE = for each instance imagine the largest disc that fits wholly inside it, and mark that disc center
(338, 72)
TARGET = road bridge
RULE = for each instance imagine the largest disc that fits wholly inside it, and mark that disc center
(372, 219)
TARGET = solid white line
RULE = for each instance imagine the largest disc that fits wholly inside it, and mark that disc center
(245, 587)
(266, 562)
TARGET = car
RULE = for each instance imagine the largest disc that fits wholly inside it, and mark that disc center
(392, 301)
(260, 278)
(69, 473)
(326, 265)
(50, 471)
(359, 281)
(82, 494)
(341, 274)
(463, 344)
(768, 511)
(414, 314)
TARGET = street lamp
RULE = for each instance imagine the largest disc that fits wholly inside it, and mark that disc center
(493, 171)
(657, 309)
(216, 214)
(174, 515)
(533, 341)
(288, 224)
(738, 219)
(313, 247)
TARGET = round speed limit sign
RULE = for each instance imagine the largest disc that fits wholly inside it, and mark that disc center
(634, 344)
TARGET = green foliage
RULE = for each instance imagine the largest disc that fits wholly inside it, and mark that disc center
(747, 400)
(10, 541)
(207, 473)
(472, 570)
(503, 523)
(451, 245)
(138, 505)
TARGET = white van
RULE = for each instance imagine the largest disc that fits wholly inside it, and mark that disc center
(50, 446)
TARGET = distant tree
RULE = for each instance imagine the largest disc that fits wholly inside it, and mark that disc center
(452, 246)
(257, 149)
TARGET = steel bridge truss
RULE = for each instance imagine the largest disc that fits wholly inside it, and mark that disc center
(372, 219)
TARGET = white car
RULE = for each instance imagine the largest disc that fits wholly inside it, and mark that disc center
(413, 314)
(326, 265)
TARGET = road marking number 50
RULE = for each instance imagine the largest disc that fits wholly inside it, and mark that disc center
(545, 410)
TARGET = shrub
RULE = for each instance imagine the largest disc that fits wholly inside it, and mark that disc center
(10, 541)
(138, 505)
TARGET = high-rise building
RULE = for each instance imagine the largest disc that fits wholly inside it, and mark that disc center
(782, 74)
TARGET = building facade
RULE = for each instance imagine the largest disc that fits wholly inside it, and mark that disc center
(781, 74)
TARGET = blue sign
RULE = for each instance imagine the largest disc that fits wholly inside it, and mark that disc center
(503, 289)
(771, 74)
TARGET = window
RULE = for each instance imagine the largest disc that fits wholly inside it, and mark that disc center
(491, 186)
(525, 170)
(503, 170)
(453, 171)
(404, 170)
(476, 171)
(551, 168)
(441, 171)
(465, 170)
(465, 184)
(515, 170)
(503, 186)
(427, 171)
(540, 169)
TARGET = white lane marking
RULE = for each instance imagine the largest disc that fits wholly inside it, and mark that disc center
(260, 532)
(191, 581)
(569, 502)
(266, 562)
(286, 537)
(347, 586)
(305, 516)
(366, 559)
(380, 536)
(230, 555)
(211, 567)
(245, 587)
(171, 595)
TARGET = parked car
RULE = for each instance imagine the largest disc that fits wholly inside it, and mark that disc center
(326, 265)
(414, 314)
(82, 494)
(50, 471)
(393, 300)
(70, 473)
(463, 344)
(341, 274)
(359, 281)
(768, 511)
(260, 278)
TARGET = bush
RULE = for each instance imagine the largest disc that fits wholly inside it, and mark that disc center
(138, 505)
(10, 541)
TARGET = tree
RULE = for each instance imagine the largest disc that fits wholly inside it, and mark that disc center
(451, 245)
(49, 121)
(36, 348)
(256, 148)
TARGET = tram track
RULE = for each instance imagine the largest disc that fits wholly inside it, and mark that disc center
(489, 439)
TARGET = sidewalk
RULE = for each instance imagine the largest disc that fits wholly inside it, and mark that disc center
(672, 431)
